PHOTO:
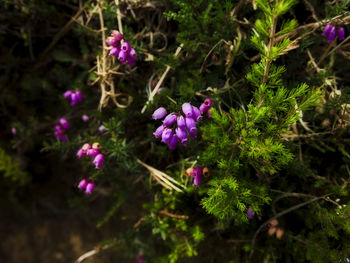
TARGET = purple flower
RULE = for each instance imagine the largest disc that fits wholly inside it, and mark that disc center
(125, 46)
(170, 119)
(111, 41)
(102, 128)
(98, 161)
(331, 35)
(197, 180)
(196, 172)
(117, 35)
(64, 123)
(181, 121)
(159, 113)
(132, 53)
(13, 131)
(187, 109)
(205, 106)
(131, 61)
(82, 184)
(85, 118)
(114, 52)
(159, 131)
(79, 95)
(122, 56)
(89, 188)
(190, 125)
(92, 152)
(74, 99)
(58, 129)
(81, 152)
(182, 135)
(139, 259)
(250, 213)
(173, 142)
(67, 94)
(166, 135)
(327, 30)
(196, 114)
(341, 33)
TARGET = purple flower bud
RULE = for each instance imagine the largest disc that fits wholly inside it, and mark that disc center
(196, 114)
(190, 125)
(166, 135)
(92, 152)
(85, 118)
(250, 213)
(197, 172)
(159, 131)
(13, 131)
(159, 113)
(67, 94)
(79, 96)
(170, 119)
(82, 184)
(173, 142)
(114, 52)
(132, 53)
(187, 109)
(61, 137)
(125, 46)
(203, 108)
(74, 99)
(131, 61)
(182, 135)
(197, 180)
(122, 56)
(81, 153)
(117, 35)
(208, 102)
(341, 33)
(332, 34)
(64, 123)
(327, 30)
(58, 129)
(111, 41)
(98, 161)
(181, 121)
(89, 188)
(102, 128)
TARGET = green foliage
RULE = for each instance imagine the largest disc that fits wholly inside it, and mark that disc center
(11, 170)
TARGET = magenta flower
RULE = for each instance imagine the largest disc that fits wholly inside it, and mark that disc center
(89, 188)
(67, 94)
(332, 34)
(111, 41)
(131, 61)
(196, 114)
(341, 33)
(197, 180)
(166, 135)
(132, 53)
(92, 152)
(125, 46)
(114, 52)
(85, 118)
(250, 213)
(64, 123)
(181, 121)
(173, 142)
(182, 135)
(81, 153)
(170, 119)
(117, 35)
(13, 131)
(98, 161)
(327, 30)
(187, 109)
(74, 100)
(102, 129)
(122, 56)
(82, 184)
(196, 172)
(79, 96)
(159, 131)
(159, 113)
(190, 125)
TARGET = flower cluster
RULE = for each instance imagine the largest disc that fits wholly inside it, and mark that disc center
(93, 151)
(61, 128)
(121, 49)
(87, 186)
(75, 97)
(331, 32)
(197, 173)
(185, 124)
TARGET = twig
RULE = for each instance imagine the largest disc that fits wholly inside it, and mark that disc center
(91, 253)
(166, 213)
(119, 17)
(160, 82)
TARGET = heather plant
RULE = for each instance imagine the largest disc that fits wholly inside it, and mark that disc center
(257, 91)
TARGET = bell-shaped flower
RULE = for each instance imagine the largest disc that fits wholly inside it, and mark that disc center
(190, 125)
(181, 121)
(92, 152)
(122, 56)
(64, 123)
(89, 188)
(117, 35)
(67, 94)
(114, 52)
(131, 61)
(331, 35)
(79, 95)
(328, 28)
(85, 118)
(187, 109)
(166, 135)
(170, 119)
(197, 180)
(125, 46)
(111, 41)
(250, 213)
(82, 184)
(196, 114)
(159, 113)
(132, 53)
(173, 142)
(341, 33)
(98, 161)
(158, 132)
(81, 153)
(182, 135)
(74, 99)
